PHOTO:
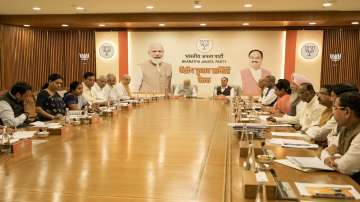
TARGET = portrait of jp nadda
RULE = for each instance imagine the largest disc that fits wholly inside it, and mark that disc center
(154, 73)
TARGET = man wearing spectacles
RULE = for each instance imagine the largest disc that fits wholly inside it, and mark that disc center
(320, 132)
(343, 152)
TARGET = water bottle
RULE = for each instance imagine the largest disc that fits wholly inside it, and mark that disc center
(67, 116)
(5, 136)
(86, 112)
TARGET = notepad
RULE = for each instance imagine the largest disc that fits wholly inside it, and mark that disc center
(309, 162)
(314, 190)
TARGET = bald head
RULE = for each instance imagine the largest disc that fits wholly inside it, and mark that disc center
(156, 51)
(125, 79)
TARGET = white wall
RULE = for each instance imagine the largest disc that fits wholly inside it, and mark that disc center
(311, 68)
(111, 65)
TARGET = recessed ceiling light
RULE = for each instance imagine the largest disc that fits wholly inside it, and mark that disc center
(161, 25)
(197, 5)
(65, 25)
(245, 24)
(101, 25)
(149, 7)
(248, 5)
(355, 23)
(203, 24)
(26, 25)
(80, 8)
(36, 8)
(327, 4)
(312, 23)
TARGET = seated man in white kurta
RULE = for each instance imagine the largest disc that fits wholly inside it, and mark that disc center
(309, 109)
(124, 87)
(185, 89)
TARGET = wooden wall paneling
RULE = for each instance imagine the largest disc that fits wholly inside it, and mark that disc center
(345, 41)
(2, 73)
(32, 54)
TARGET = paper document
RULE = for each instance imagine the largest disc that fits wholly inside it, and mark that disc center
(288, 163)
(309, 162)
(263, 117)
(300, 146)
(291, 143)
(279, 125)
(287, 134)
(24, 134)
(310, 189)
(281, 141)
(38, 124)
(261, 177)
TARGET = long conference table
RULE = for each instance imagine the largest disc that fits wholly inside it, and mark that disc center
(167, 150)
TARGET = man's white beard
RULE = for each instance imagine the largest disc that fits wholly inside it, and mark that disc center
(156, 61)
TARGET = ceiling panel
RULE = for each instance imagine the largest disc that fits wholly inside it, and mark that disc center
(17, 7)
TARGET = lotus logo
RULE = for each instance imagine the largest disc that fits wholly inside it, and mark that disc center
(309, 50)
(204, 45)
(106, 50)
(335, 57)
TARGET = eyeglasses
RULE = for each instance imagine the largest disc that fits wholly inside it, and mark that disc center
(338, 108)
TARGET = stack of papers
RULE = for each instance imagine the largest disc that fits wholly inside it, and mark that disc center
(279, 125)
(327, 190)
(54, 125)
(38, 124)
(41, 124)
(291, 143)
(248, 125)
(288, 163)
(75, 112)
(24, 134)
(286, 134)
(309, 163)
